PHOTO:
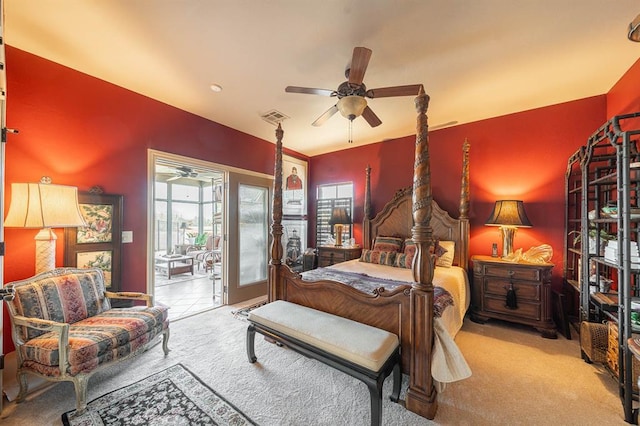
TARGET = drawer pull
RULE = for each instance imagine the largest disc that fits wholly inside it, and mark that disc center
(511, 299)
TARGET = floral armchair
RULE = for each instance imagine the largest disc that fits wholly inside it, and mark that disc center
(64, 328)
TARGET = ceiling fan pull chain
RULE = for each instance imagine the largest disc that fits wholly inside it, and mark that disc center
(350, 131)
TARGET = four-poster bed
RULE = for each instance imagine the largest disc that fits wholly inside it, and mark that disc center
(405, 310)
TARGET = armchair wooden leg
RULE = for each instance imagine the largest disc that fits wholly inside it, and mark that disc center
(80, 383)
(24, 385)
(165, 342)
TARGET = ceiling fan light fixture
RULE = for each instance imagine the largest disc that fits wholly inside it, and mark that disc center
(634, 29)
(352, 106)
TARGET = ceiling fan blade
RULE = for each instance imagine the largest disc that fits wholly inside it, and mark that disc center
(173, 178)
(371, 117)
(310, 91)
(325, 116)
(386, 92)
(359, 63)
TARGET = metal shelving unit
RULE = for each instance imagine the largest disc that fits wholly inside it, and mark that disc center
(606, 173)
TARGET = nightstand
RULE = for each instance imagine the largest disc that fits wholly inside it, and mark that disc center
(329, 255)
(531, 282)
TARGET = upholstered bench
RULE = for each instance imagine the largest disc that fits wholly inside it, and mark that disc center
(364, 352)
(64, 327)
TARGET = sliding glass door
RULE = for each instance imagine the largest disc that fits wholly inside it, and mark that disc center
(249, 219)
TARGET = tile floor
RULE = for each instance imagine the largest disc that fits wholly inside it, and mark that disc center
(188, 296)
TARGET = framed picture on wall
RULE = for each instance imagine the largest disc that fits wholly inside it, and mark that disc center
(294, 186)
(294, 242)
(97, 245)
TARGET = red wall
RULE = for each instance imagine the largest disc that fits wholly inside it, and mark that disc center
(522, 156)
(624, 96)
(82, 131)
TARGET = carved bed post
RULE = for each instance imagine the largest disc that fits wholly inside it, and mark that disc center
(422, 396)
(366, 222)
(464, 205)
(276, 224)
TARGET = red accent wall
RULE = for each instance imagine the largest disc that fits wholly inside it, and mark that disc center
(522, 156)
(83, 131)
(624, 96)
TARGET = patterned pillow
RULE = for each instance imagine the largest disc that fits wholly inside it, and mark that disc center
(380, 257)
(403, 260)
(448, 249)
(409, 247)
(444, 251)
(388, 244)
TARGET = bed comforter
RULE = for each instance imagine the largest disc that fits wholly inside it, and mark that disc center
(451, 301)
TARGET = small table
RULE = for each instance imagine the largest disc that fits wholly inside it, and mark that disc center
(175, 264)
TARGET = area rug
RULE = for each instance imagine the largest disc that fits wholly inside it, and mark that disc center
(174, 396)
(243, 313)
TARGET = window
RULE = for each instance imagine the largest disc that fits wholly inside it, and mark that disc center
(330, 197)
(182, 211)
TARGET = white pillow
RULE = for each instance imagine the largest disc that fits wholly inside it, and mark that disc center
(446, 260)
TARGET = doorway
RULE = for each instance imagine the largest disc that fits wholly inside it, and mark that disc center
(188, 222)
(195, 262)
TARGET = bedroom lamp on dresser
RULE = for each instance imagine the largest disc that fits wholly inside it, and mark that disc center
(509, 215)
(339, 218)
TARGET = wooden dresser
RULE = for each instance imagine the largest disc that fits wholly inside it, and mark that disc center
(328, 255)
(531, 283)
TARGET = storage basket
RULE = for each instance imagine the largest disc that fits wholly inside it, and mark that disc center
(593, 341)
(612, 355)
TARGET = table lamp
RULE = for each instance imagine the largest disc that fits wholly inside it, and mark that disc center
(509, 215)
(339, 218)
(44, 205)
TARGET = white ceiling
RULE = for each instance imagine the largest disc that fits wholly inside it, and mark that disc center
(476, 59)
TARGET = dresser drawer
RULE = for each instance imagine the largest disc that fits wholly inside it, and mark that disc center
(524, 309)
(328, 256)
(524, 291)
(531, 274)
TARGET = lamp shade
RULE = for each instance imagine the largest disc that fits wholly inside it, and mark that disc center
(351, 106)
(509, 213)
(339, 215)
(39, 205)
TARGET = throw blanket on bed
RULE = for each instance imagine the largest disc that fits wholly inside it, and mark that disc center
(370, 285)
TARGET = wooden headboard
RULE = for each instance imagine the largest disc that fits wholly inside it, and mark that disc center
(396, 218)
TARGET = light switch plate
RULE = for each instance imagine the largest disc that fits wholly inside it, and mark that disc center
(127, 236)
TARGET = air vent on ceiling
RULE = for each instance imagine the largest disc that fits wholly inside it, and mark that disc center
(274, 117)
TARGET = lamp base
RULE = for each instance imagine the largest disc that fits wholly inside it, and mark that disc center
(45, 250)
(337, 230)
(508, 233)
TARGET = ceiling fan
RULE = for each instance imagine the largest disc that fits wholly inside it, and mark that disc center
(183, 172)
(352, 93)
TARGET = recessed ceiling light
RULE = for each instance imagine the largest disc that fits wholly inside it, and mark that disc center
(216, 88)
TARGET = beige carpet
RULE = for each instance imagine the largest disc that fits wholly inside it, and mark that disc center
(518, 378)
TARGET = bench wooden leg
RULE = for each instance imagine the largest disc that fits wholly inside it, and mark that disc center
(251, 337)
(375, 390)
(397, 382)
